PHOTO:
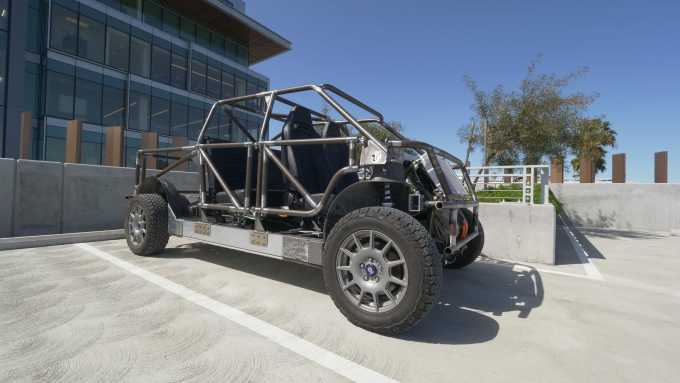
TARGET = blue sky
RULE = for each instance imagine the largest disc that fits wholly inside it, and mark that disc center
(408, 59)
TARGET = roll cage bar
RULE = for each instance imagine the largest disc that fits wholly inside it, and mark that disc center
(377, 153)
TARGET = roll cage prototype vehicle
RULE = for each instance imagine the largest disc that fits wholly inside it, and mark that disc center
(381, 215)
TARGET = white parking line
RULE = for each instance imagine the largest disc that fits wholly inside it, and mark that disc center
(323, 357)
(583, 256)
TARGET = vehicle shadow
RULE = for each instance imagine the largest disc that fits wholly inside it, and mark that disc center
(486, 287)
(460, 316)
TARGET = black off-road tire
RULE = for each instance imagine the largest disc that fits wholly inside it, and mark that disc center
(154, 209)
(472, 251)
(420, 254)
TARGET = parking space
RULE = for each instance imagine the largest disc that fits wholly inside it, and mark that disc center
(96, 312)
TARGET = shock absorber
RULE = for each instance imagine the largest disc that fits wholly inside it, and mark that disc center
(387, 201)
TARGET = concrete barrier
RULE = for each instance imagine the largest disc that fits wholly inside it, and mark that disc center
(37, 197)
(43, 198)
(7, 172)
(94, 197)
(518, 232)
(628, 207)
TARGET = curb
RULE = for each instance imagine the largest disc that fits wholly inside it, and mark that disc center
(13, 243)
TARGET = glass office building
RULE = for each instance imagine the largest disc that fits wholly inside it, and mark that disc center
(147, 65)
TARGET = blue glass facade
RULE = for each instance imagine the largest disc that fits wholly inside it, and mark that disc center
(131, 63)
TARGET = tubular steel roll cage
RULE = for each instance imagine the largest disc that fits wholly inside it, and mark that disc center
(374, 152)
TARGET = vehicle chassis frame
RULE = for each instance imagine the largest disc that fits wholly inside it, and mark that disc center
(293, 247)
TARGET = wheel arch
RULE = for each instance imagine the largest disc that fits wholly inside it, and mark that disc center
(178, 203)
(364, 194)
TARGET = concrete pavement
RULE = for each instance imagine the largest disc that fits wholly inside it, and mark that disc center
(68, 315)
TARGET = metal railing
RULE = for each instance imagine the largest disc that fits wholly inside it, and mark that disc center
(513, 183)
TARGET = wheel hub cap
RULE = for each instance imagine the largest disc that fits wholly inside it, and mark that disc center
(136, 225)
(372, 271)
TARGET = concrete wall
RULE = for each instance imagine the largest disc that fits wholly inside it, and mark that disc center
(629, 207)
(94, 197)
(38, 197)
(675, 209)
(524, 233)
(38, 191)
(7, 171)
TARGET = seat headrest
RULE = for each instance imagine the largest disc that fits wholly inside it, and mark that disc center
(300, 116)
(334, 130)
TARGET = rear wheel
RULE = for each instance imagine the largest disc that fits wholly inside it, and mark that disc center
(146, 224)
(382, 269)
(469, 254)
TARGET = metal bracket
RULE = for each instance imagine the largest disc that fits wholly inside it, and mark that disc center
(372, 154)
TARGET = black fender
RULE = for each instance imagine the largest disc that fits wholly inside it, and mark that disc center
(364, 194)
(179, 204)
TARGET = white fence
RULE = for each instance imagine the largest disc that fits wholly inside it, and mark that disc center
(501, 181)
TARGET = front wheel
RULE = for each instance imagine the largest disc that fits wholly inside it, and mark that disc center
(382, 269)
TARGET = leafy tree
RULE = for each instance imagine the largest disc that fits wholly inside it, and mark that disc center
(589, 141)
(472, 135)
(527, 124)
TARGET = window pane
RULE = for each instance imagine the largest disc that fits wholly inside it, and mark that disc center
(213, 85)
(33, 87)
(64, 29)
(195, 121)
(132, 144)
(91, 147)
(203, 36)
(140, 58)
(231, 49)
(113, 106)
(91, 37)
(117, 47)
(3, 65)
(179, 70)
(35, 30)
(160, 114)
(55, 141)
(242, 55)
(179, 118)
(140, 105)
(217, 43)
(37, 141)
(160, 64)
(240, 86)
(170, 22)
(88, 101)
(153, 14)
(250, 89)
(198, 76)
(131, 7)
(188, 30)
(60, 95)
(227, 85)
(4, 14)
(224, 124)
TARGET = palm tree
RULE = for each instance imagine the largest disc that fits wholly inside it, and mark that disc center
(591, 137)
